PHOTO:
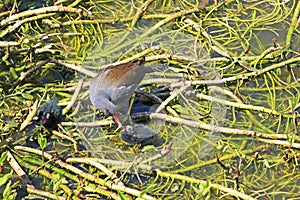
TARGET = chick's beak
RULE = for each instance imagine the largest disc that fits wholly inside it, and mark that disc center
(46, 118)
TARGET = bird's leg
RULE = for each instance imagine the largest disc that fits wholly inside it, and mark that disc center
(120, 125)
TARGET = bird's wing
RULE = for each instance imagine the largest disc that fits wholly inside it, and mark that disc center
(120, 75)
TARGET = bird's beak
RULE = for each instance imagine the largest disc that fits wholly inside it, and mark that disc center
(117, 120)
(46, 118)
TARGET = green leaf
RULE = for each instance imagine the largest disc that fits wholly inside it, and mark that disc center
(3, 157)
(27, 96)
(7, 190)
(205, 188)
(222, 146)
(149, 188)
(149, 148)
(12, 196)
(5, 178)
(8, 194)
(56, 185)
(42, 140)
(176, 69)
(122, 196)
(180, 109)
(266, 163)
(10, 125)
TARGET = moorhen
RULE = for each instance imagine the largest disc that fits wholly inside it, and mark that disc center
(112, 88)
(140, 134)
(49, 114)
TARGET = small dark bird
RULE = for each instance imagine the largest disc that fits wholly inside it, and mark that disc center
(49, 114)
(112, 88)
(141, 134)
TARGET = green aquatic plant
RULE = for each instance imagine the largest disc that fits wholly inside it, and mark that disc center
(222, 88)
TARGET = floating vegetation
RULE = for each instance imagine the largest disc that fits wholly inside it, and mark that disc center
(221, 93)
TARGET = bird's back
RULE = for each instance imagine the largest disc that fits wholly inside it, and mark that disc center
(117, 82)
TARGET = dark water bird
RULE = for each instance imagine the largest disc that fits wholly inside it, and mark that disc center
(112, 88)
(141, 134)
(49, 114)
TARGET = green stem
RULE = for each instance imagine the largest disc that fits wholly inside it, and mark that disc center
(150, 30)
(293, 24)
(203, 182)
